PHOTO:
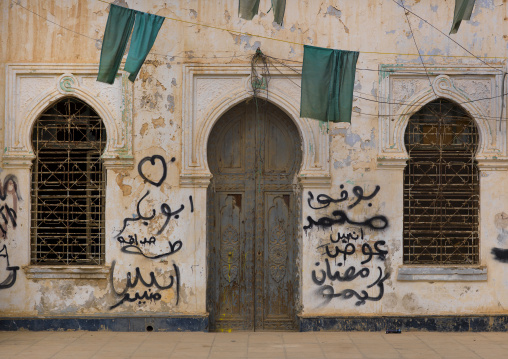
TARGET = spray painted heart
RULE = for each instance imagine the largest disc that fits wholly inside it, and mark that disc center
(152, 160)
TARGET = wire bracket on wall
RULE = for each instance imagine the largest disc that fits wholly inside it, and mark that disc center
(260, 72)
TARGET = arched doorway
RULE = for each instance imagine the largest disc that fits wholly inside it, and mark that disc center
(254, 153)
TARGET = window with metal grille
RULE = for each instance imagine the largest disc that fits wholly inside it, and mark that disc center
(441, 186)
(68, 186)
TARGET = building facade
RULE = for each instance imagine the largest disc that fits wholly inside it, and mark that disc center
(197, 198)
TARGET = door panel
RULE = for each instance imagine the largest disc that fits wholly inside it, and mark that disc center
(253, 156)
(278, 261)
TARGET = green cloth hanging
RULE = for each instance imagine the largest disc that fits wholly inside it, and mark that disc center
(279, 8)
(145, 32)
(328, 79)
(463, 11)
(116, 35)
(247, 9)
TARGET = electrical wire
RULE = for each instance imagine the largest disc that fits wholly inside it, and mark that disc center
(248, 55)
(280, 62)
(302, 44)
(386, 102)
(477, 116)
(418, 50)
(455, 42)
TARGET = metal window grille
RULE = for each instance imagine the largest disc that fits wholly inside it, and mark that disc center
(68, 186)
(441, 187)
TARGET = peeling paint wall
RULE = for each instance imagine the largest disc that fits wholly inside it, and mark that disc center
(167, 274)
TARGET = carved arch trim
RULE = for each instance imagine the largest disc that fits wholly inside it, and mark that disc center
(210, 91)
(462, 85)
(32, 88)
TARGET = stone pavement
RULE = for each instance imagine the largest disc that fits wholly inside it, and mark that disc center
(265, 345)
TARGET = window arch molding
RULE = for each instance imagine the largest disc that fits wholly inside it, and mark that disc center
(25, 107)
(393, 121)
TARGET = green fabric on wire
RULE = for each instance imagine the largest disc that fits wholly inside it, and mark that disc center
(247, 9)
(463, 11)
(279, 8)
(145, 32)
(116, 35)
(328, 79)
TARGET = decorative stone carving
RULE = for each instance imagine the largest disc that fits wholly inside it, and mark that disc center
(211, 90)
(408, 89)
(31, 88)
(67, 84)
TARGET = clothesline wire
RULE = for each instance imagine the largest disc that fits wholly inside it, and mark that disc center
(48, 20)
(302, 44)
(364, 93)
(238, 56)
(417, 49)
(235, 56)
(450, 38)
(478, 116)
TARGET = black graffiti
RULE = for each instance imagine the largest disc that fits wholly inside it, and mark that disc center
(191, 204)
(139, 217)
(349, 275)
(11, 278)
(358, 192)
(347, 251)
(132, 246)
(7, 213)
(345, 238)
(367, 251)
(165, 210)
(350, 249)
(325, 200)
(328, 292)
(175, 281)
(375, 223)
(9, 180)
(152, 159)
(500, 254)
(133, 240)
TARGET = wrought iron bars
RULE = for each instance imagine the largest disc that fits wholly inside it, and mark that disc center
(68, 186)
(441, 187)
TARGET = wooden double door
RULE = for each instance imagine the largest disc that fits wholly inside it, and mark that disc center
(254, 153)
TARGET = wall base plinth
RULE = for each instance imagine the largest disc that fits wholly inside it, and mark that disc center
(438, 323)
(190, 323)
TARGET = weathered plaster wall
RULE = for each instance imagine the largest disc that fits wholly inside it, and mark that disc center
(157, 130)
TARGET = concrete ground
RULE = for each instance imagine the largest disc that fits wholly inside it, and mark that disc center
(313, 345)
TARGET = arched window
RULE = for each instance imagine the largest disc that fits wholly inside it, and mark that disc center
(68, 185)
(441, 186)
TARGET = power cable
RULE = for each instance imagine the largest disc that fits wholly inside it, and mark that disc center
(302, 44)
(418, 50)
(387, 102)
(477, 116)
(458, 44)
(278, 60)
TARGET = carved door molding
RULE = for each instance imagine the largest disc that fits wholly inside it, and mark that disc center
(211, 90)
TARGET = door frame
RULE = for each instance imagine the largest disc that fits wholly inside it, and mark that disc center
(209, 91)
